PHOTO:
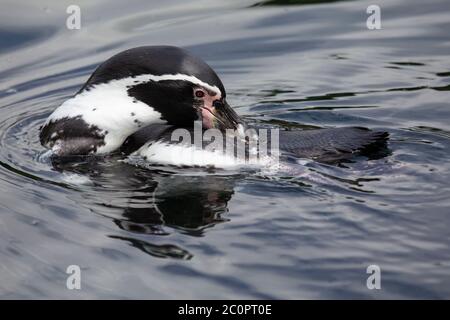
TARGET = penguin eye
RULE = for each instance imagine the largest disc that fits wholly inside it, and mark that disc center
(199, 94)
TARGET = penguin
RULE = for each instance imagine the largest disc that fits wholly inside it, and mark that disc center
(133, 101)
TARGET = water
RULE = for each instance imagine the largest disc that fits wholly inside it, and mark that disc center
(180, 233)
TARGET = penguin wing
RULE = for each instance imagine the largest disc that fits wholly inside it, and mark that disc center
(331, 145)
(334, 144)
(149, 133)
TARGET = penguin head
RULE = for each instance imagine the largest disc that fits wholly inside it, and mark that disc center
(136, 88)
(173, 82)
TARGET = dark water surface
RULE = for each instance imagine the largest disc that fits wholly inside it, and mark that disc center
(140, 233)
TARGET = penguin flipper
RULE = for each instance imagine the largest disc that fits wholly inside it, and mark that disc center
(334, 144)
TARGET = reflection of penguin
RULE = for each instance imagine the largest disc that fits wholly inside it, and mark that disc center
(143, 201)
(190, 203)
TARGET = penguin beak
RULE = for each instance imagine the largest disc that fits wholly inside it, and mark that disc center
(225, 117)
(220, 116)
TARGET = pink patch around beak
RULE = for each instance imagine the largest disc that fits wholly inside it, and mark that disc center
(207, 118)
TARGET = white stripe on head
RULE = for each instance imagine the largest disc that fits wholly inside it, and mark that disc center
(179, 76)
